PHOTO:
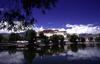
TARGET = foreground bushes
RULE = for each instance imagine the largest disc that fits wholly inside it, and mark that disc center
(54, 39)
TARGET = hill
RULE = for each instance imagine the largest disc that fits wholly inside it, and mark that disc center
(7, 34)
(85, 35)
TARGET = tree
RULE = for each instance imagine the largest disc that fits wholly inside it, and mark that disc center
(41, 34)
(30, 35)
(74, 48)
(73, 38)
(56, 49)
(55, 38)
(82, 39)
(46, 41)
(29, 55)
(11, 51)
(22, 38)
(97, 39)
(21, 10)
(1, 38)
(45, 37)
(5, 39)
(14, 37)
(61, 38)
(68, 35)
(79, 38)
(90, 38)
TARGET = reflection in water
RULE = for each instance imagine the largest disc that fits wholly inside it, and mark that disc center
(75, 48)
(16, 58)
(56, 54)
(29, 55)
(11, 51)
(88, 53)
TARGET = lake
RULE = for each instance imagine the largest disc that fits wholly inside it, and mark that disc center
(56, 54)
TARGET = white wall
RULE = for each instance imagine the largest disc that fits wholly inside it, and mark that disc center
(48, 34)
(57, 33)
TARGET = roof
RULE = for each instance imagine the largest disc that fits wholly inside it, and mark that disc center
(47, 31)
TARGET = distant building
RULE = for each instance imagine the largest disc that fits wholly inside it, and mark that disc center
(87, 40)
(38, 33)
(48, 32)
(52, 32)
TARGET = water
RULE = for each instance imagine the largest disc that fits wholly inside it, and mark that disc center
(56, 54)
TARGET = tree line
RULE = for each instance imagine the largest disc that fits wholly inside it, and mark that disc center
(30, 35)
(74, 38)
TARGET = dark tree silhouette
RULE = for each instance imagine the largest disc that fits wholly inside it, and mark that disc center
(73, 38)
(14, 13)
(90, 38)
(30, 35)
(29, 55)
(82, 39)
(1, 38)
(41, 34)
(14, 37)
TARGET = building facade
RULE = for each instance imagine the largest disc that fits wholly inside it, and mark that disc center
(53, 32)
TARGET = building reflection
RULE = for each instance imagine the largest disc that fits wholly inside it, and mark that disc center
(31, 52)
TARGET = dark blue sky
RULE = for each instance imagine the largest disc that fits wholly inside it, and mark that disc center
(71, 12)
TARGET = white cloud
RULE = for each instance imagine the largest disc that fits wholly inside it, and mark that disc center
(16, 58)
(89, 28)
(1, 9)
(6, 31)
(87, 53)
(60, 29)
(38, 29)
(34, 28)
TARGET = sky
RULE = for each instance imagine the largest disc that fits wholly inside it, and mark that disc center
(73, 16)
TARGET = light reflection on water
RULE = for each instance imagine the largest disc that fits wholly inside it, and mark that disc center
(57, 54)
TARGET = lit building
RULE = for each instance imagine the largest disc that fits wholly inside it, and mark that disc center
(52, 32)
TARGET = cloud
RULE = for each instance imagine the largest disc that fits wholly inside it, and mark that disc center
(1, 9)
(87, 53)
(80, 28)
(38, 29)
(6, 31)
(76, 28)
(16, 58)
(60, 29)
(89, 28)
(34, 28)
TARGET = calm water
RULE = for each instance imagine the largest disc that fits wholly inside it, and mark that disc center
(56, 54)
